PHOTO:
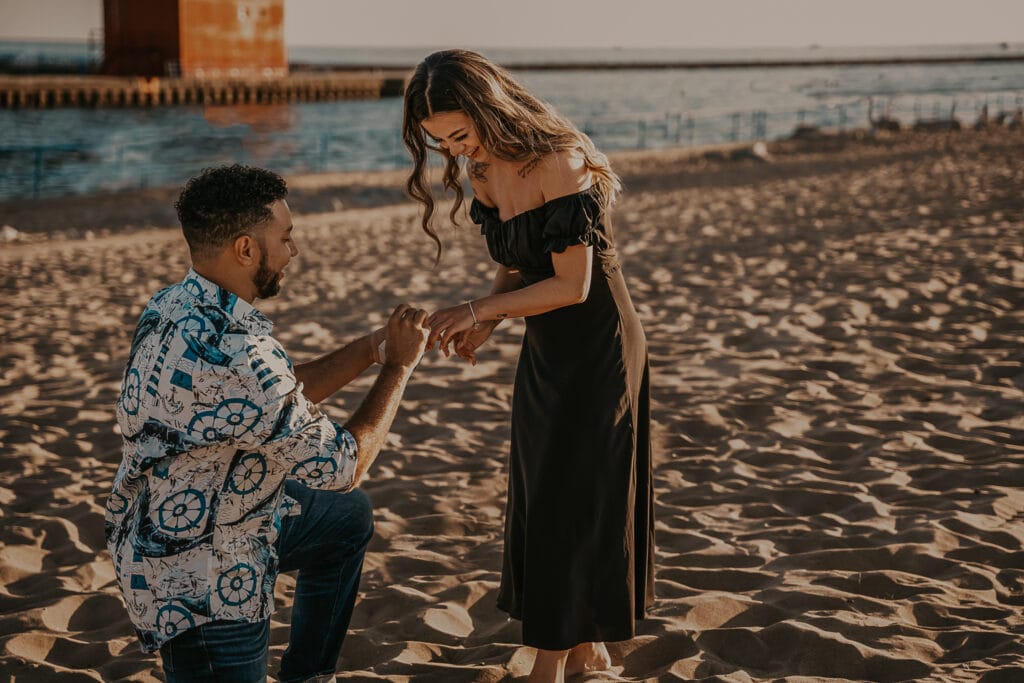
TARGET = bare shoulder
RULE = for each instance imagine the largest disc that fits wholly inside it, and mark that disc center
(561, 173)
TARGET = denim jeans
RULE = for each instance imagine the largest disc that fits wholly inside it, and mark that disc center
(326, 543)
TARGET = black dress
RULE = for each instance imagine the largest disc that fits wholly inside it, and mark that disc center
(579, 527)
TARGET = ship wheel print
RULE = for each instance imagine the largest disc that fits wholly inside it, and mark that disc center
(232, 418)
(132, 392)
(248, 474)
(315, 468)
(182, 511)
(193, 287)
(117, 503)
(236, 416)
(191, 326)
(172, 620)
(237, 585)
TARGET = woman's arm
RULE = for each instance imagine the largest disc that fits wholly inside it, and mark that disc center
(560, 174)
(468, 341)
(505, 280)
(569, 285)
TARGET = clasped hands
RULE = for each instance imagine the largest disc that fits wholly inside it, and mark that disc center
(450, 329)
(454, 329)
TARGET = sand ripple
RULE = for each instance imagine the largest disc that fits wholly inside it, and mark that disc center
(839, 389)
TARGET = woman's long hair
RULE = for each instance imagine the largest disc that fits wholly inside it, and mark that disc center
(512, 124)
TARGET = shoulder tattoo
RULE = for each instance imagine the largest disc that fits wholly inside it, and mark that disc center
(478, 171)
(528, 167)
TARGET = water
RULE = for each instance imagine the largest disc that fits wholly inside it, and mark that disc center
(36, 56)
(60, 151)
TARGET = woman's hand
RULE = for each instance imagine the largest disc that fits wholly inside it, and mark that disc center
(446, 323)
(468, 341)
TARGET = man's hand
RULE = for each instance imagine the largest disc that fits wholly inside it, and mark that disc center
(407, 334)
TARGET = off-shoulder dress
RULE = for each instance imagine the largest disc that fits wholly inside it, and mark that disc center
(578, 560)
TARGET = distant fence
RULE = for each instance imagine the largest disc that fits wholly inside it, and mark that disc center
(30, 171)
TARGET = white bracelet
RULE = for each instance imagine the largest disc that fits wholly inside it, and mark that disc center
(472, 312)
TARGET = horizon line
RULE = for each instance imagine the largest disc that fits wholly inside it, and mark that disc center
(1000, 44)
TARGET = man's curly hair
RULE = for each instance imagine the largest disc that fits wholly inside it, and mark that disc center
(226, 202)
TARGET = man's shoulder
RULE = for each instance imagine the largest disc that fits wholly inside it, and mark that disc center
(205, 330)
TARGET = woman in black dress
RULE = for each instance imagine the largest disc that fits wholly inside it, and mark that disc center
(578, 565)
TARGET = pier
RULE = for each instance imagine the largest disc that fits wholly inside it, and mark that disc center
(28, 92)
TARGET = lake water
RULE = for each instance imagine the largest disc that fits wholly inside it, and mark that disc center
(59, 151)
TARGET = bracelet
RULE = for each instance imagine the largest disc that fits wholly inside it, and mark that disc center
(472, 312)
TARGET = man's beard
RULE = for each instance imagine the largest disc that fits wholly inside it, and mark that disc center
(268, 282)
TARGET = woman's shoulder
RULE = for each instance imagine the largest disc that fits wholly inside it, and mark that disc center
(561, 173)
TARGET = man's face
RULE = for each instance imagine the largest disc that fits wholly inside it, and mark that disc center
(276, 249)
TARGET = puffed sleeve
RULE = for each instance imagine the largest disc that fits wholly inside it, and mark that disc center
(571, 220)
(480, 213)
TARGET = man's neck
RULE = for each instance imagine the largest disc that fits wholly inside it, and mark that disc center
(235, 281)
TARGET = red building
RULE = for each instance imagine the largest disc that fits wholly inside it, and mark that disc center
(195, 38)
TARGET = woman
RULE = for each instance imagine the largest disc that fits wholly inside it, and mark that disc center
(578, 560)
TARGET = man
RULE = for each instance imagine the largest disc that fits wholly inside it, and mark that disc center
(230, 473)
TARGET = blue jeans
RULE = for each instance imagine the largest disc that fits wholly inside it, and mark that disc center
(326, 543)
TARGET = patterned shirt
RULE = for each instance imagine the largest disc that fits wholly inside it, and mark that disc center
(213, 421)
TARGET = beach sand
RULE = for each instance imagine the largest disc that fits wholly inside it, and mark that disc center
(837, 346)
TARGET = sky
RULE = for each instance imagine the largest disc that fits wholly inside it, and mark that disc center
(590, 23)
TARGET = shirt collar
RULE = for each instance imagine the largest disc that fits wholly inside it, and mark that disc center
(237, 308)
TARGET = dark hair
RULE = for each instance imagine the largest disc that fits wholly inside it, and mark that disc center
(226, 202)
(512, 124)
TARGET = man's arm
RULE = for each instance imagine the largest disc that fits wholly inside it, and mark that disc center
(371, 422)
(278, 421)
(322, 377)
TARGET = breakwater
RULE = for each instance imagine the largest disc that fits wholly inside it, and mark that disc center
(26, 92)
(736, 63)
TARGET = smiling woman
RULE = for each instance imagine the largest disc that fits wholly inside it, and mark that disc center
(455, 133)
(486, 108)
(578, 566)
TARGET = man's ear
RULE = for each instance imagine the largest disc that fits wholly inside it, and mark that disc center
(246, 250)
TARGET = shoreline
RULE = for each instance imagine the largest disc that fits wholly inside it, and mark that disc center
(123, 211)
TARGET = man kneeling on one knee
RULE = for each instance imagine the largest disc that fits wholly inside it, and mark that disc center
(230, 473)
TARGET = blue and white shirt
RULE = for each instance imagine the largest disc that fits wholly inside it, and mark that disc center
(213, 422)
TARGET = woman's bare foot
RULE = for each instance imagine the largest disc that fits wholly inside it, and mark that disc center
(587, 657)
(549, 667)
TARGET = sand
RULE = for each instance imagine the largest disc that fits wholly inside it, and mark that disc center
(837, 342)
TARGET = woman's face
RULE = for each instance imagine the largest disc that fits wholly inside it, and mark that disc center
(455, 132)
